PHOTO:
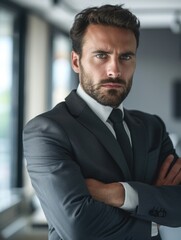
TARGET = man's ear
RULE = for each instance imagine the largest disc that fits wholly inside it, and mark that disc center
(75, 61)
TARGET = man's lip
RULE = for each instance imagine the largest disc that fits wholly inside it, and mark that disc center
(112, 85)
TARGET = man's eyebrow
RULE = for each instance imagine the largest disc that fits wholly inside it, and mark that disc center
(108, 52)
(101, 51)
(128, 53)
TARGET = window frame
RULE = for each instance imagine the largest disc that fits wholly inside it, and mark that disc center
(17, 104)
(74, 77)
(15, 203)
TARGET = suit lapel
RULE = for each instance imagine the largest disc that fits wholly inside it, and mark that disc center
(86, 117)
(139, 143)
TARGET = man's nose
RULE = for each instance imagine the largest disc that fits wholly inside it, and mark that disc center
(114, 69)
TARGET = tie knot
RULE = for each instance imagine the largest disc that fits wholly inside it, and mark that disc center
(116, 116)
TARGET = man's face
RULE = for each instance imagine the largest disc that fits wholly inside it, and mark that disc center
(107, 63)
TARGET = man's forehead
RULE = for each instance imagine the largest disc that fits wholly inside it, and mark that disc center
(105, 38)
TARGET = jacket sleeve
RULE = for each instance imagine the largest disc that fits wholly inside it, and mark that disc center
(160, 204)
(61, 189)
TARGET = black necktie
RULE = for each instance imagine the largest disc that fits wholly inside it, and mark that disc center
(121, 135)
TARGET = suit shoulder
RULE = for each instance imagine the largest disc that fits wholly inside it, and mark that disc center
(60, 109)
(141, 114)
(56, 114)
(146, 118)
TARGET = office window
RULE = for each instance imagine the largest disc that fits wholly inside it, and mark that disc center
(11, 47)
(61, 68)
(6, 81)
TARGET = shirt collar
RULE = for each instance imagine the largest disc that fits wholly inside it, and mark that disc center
(100, 110)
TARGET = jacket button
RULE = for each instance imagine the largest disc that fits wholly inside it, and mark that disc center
(153, 212)
(158, 212)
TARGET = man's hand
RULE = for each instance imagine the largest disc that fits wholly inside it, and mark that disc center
(169, 175)
(112, 193)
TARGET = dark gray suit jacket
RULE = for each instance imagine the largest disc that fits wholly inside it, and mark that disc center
(70, 143)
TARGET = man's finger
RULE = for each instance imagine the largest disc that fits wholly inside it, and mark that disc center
(177, 179)
(165, 167)
(174, 175)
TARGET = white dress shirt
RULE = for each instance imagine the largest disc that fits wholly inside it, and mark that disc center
(103, 112)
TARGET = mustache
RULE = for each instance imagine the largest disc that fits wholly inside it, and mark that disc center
(113, 80)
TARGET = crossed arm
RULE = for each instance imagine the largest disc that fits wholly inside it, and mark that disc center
(60, 186)
(114, 194)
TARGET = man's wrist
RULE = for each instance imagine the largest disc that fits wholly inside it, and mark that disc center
(116, 194)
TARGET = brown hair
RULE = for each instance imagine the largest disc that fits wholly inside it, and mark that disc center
(112, 15)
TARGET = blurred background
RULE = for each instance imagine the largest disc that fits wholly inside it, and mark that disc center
(35, 74)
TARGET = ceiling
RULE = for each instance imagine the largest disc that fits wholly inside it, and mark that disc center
(152, 14)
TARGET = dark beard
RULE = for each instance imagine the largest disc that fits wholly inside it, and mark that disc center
(111, 97)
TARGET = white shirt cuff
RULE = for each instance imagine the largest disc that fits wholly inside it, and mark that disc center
(154, 229)
(131, 202)
(131, 198)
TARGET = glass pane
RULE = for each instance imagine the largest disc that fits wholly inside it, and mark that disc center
(61, 69)
(6, 61)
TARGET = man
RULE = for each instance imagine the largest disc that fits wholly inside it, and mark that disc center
(89, 186)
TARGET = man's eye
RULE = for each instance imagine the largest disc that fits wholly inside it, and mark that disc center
(126, 57)
(101, 55)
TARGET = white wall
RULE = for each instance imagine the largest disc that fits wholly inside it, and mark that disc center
(158, 65)
(36, 74)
